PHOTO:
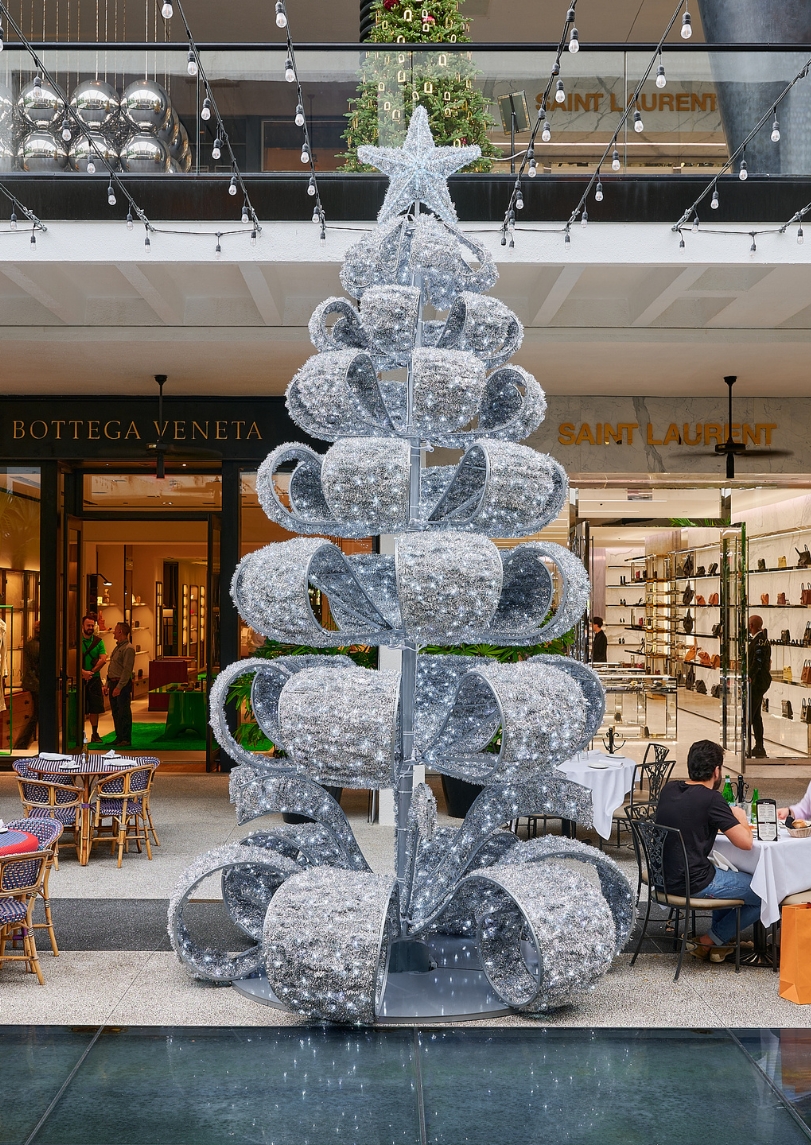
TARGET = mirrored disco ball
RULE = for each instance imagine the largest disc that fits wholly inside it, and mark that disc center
(6, 106)
(181, 145)
(81, 148)
(144, 155)
(170, 132)
(96, 103)
(146, 105)
(42, 151)
(41, 108)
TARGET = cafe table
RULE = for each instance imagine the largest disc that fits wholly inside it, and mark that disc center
(608, 777)
(778, 869)
(93, 765)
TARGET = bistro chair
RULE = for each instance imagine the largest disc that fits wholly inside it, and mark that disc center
(47, 832)
(20, 881)
(650, 776)
(651, 841)
(44, 797)
(123, 798)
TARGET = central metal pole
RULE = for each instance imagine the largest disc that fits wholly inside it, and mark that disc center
(408, 666)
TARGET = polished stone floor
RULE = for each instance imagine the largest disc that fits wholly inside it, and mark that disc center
(281, 1086)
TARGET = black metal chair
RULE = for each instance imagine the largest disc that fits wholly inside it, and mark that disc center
(650, 776)
(651, 840)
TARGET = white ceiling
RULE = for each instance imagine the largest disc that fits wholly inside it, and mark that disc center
(626, 312)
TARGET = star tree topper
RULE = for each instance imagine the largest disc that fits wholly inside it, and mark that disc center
(418, 170)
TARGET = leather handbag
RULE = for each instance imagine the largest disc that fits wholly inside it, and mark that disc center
(701, 688)
(805, 558)
(688, 595)
(704, 659)
(781, 562)
(716, 661)
(713, 569)
(700, 600)
(700, 571)
(717, 629)
(715, 598)
(807, 716)
(715, 691)
(787, 710)
(781, 598)
(687, 622)
(765, 704)
(805, 595)
(785, 636)
(807, 634)
(787, 676)
(689, 565)
(690, 679)
(761, 564)
(806, 676)
(764, 598)
(690, 654)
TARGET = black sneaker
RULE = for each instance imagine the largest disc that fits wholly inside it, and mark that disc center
(759, 752)
(96, 738)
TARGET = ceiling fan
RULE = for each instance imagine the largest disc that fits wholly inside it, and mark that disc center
(163, 449)
(732, 449)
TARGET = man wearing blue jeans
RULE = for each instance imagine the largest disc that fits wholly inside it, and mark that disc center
(696, 807)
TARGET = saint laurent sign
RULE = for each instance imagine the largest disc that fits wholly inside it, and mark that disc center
(109, 427)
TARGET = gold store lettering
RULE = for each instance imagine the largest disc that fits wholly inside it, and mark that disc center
(702, 433)
(94, 429)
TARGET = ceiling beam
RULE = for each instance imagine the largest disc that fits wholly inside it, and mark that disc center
(563, 286)
(662, 301)
(69, 308)
(269, 303)
(167, 301)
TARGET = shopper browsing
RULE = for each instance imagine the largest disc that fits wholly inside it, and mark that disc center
(599, 645)
(696, 807)
(119, 684)
(94, 658)
(760, 679)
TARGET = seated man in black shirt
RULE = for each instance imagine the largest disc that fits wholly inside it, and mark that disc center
(696, 807)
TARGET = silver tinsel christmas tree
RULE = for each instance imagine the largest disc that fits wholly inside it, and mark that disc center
(387, 383)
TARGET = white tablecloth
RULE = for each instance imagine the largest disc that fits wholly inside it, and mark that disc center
(608, 785)
(777, 869)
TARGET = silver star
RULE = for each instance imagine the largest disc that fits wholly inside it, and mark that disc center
(418, 170)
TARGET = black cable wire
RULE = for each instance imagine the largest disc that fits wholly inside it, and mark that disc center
(291, 55)
(15, 203)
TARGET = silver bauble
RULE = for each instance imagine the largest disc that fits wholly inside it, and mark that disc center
(80, 151)
(144, 154)
(146, 105)
(7, 156)
(180, 147)
(96, 103)
(170, 132)
(174, 167)
(184, 162)
(41, 108)
(42, 151)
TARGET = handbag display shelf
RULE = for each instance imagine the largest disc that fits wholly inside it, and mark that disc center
(647, 703)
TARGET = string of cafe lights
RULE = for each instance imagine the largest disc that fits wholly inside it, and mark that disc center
(570, 38)
(691, 214)
(36, 223)
(595, 182)
(194, 67)
(300, 119)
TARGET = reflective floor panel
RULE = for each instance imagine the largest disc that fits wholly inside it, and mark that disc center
(312, 1085)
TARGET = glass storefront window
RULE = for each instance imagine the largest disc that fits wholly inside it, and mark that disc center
(19, 604)
(197, 491)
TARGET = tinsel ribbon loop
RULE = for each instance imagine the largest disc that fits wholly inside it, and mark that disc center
(218, 699)
(484, 326)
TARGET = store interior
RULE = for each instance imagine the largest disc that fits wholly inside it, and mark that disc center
(675, 586)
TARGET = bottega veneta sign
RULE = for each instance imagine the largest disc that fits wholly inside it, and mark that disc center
(109, 427)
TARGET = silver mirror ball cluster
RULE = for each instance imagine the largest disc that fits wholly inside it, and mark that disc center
(137, 131)
(387, 382)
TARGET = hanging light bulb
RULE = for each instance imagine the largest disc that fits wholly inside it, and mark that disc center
(33, 238)
(638, 124)
(546, 133)
(560, 94)
(316, 216)
(800, 235)
(311, 186)
(129, 220)
(775, 131)
(37, 85)
(110, 194)
(205, 111)
(584, 222)
(289, 71)
(147, 244)
(299, 115)
(191, 63)
(519, 201)
(743, 173)
(598, 192)
(686, 26)
(682, 243)
(66, 129)
(217, 248)
(253, 237)
(615, 160)
(715, 203)
(533, 169)
(661, 78)
(232, 186)
(694, 227)
(567, 238)
(167, 11)
(91, 164)
(305, 153)
(245, 216)
(574, 42)
(13, 220)
(281, 15)
(753, 247)
(216, 150)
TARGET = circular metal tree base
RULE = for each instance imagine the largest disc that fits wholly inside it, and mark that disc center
(456, 990)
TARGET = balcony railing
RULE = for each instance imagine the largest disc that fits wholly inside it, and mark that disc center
(712, 97)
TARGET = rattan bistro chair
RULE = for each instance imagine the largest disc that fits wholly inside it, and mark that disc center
(651, 839)
(20, 881)
(46, 797)
(650, 776)
(47, 832)
(123, 798)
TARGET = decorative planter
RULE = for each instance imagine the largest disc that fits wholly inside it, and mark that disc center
(746, 82)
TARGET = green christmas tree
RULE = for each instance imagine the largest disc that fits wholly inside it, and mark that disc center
(394, 82)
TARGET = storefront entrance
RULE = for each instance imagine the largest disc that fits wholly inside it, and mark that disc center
(145, 552)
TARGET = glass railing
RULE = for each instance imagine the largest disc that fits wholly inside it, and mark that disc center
(147, 108)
